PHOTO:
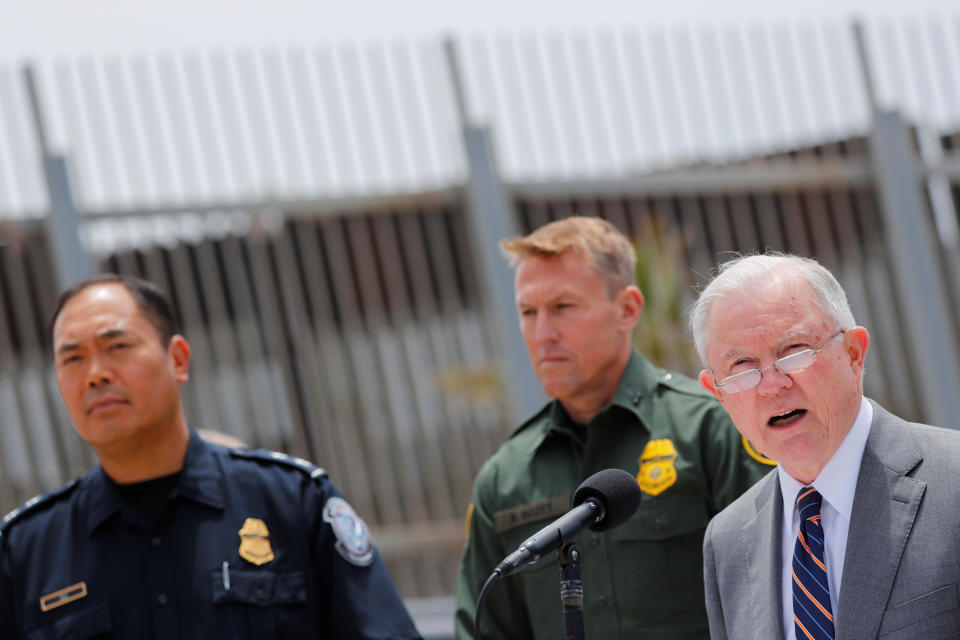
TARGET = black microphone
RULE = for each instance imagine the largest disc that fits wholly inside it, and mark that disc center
(605, 500)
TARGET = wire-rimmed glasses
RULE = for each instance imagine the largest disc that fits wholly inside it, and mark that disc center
(786, 365)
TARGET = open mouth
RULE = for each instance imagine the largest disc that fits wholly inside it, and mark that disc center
(787, 418)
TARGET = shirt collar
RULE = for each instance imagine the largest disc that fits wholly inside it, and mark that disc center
(837, 481)
(638, 381)
(201, 480)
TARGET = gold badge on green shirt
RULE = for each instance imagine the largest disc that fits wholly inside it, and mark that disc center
(657, 471)
(255, 542)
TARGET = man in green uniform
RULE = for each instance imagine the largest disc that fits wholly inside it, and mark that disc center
(578, 305)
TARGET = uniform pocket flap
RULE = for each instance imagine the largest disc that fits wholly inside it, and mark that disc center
(920, 608)
(81, 624)
(261, 588)
(663, 518)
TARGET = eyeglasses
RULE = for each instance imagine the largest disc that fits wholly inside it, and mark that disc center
(786, 365)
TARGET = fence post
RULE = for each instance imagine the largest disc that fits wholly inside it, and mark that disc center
(70, 260)
(491, 218)
(912, 251)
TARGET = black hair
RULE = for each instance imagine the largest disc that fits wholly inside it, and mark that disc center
(152, 301)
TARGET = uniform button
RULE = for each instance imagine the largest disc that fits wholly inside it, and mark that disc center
(667, 376)
(636, 398)
(594, 540)
(261, 594)
(660, 523)
(603, 601)
(162, 598)
(155, 541)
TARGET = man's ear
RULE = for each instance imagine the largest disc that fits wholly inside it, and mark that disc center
(631, 302)
(180, 352)
(706, 381)
(856, 343)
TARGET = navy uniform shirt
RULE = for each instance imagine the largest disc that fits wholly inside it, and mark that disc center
(250, 544)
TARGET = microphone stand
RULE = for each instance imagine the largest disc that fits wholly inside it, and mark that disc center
(571, 592)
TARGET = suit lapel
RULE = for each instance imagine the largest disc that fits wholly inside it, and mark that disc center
(884, 509)
(762, 539)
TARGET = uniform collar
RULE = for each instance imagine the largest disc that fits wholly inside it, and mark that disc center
(637, 384)
(201, 481)
(638, 381)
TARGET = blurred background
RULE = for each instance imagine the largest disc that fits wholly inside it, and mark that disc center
(321, 190)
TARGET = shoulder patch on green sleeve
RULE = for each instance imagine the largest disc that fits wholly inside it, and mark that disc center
(469, 522)
(514, 517)
(755, 453)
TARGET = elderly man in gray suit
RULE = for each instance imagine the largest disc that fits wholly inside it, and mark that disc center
(856, 534)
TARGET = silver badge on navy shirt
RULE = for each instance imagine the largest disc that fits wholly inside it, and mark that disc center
(353, 537)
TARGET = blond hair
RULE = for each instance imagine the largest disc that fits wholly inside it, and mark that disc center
(610, 252)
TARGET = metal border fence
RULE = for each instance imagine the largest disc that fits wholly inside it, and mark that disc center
(326, 221)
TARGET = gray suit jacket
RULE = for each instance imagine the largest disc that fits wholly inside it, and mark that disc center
(901, 570)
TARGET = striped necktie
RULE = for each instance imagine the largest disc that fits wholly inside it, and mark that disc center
(812, 613)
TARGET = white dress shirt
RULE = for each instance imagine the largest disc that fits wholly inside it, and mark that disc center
(836, 482)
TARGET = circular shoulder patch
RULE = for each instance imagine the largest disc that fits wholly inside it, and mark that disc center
(756, 454)
(353, 538)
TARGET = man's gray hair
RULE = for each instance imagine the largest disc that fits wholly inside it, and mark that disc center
(737, 276)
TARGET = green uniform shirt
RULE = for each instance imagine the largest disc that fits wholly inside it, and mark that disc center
(642, 580)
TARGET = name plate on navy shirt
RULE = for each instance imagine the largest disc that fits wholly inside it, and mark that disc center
(63, 596)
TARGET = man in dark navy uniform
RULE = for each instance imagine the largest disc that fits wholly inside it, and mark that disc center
(171, 536)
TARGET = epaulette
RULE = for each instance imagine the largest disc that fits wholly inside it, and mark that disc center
(681, 384)
(305, 466)
(35, 502)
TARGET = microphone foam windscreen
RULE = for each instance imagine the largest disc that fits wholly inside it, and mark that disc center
(616, 490)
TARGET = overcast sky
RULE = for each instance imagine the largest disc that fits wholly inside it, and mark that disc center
(49, 28)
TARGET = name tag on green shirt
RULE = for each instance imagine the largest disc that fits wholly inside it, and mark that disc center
(515, 517)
